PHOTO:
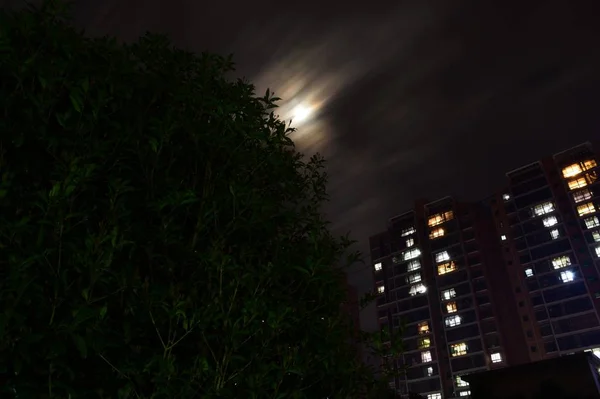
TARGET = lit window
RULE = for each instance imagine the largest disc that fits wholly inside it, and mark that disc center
(577, 168)
(586, 208)
(440, 218)
(589, 164)
(442, 256)
(453, 321)
(528, 272)
(597, 249)
(542, 209)
(464, 393)
(554, 234)
(577, 183)
(417, 289)
(414, 265)
(567, 276)
(435, 395)
(381, 289)
(561, 261)
(423, 327)
(571, 170)
(591, 222)
(435, 233)
(505, 197)
(410, 242)
(377, 267)
(503, 237)
(411, 254)
(429, 371)
(451, 307)
(550, 221)
(458, 349)
(409, 231)
(583, 181)
(596, 235)
(446, 268)
(496, 357)
(413, 278)
(426, 356)
(582, 195)
(460, 382)
(448, 294)
(424, 342)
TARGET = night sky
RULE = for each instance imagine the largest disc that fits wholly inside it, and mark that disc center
(412, 98)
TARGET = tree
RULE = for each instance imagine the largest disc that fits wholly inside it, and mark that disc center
(160, 236)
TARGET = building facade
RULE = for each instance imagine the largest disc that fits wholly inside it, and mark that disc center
(549, 227)
(436, 272)
(504, 281)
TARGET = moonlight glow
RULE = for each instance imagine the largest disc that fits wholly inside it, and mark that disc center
(301, 113)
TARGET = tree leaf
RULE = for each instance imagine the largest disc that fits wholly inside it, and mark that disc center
(81, 346)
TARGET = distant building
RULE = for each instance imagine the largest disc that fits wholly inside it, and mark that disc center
(548, 223)
(573, 377)
(504, 281)
(436, 268)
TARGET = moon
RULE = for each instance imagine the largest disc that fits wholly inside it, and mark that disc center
(301, 113)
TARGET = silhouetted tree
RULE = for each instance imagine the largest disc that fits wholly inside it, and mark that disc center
(160, 237)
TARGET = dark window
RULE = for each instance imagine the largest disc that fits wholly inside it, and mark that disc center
(541, 314)
(573, 306)
(479, 285)
(550, 347)
(552, 248)
(537, 300)
(525, 318)
(570, 342)
(575, 323)
(532, 284)
(533, 349)
(432, 384)
(564, 292)
(488, 326)
(529, 334)
(468, 362)
(546, 330)
(521, 304)
(536, 196)
(417, 315)
(526, 187)
(476, 272)
(460, 333)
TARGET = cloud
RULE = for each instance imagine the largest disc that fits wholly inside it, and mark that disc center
(421, 98)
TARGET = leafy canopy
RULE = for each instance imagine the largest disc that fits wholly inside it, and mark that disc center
(160, 237)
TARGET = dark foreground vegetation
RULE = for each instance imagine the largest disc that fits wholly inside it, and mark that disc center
(160, 237)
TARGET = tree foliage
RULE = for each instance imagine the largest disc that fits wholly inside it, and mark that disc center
(160, 236)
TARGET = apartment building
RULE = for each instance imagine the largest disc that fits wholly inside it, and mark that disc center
(505, 281)
(436, 270)
(549, 227)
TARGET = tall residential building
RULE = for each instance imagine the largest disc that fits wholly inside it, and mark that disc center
(504, 281)
(549, 227)
(436, 268)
